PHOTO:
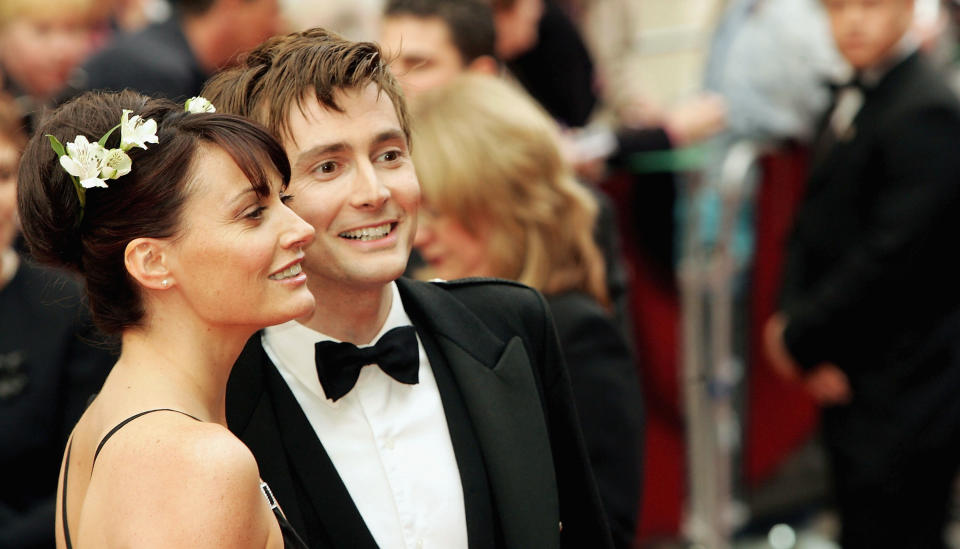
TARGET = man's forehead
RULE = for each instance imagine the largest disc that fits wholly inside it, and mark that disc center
(310, 115)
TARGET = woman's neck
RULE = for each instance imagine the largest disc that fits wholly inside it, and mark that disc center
(174, 364)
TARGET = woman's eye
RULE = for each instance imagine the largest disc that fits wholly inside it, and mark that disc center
(286, 198)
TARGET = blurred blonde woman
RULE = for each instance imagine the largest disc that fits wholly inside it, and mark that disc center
(500, 201)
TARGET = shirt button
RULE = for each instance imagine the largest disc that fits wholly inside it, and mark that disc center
(389, 444)
(419, 544)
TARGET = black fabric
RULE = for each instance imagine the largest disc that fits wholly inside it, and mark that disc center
(558, 71)
(609, 401)
(339, 362)
(498, 341)
(51, 362)
(155, 61)
(869, 286)
(483, 528)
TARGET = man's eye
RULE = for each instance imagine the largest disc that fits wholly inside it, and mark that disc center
(327, 167)
(390, 156)
(256, 213)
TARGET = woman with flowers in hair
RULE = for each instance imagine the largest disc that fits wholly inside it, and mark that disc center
(176, 220)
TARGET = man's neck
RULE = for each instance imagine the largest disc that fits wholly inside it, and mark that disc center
(907, 44)
(355, 315)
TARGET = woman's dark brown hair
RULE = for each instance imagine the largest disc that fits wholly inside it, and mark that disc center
(147, 202)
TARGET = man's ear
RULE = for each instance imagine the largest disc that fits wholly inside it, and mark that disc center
(146, 261)
(485, 64)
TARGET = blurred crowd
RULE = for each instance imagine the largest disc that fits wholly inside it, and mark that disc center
(545, 158)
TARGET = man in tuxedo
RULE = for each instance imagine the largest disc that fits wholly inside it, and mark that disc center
(870, 317)
(456, 432)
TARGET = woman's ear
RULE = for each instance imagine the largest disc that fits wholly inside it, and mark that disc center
(146, 261)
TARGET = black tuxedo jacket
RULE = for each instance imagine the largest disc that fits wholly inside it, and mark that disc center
(609, 402)
(870, 282)
(526, 479)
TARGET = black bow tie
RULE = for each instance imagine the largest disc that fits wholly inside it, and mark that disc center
(857, 82)
(339, 363)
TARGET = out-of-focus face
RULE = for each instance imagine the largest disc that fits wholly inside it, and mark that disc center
(865, 31)
(238, 260)
(40, 54)
(9, 158)
(517, 28)
(449, 248)
(254, 21)
(421, 52)
(354, 181)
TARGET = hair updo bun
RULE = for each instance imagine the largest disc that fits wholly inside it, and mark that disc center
(146, 202)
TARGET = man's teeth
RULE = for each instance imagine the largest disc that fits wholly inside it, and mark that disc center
(288, 272)
(369, 233)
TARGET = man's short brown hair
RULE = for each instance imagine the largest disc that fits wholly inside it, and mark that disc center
(280, 73)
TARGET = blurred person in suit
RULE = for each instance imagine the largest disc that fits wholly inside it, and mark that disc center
(401, 413)
(51, 363)
(173, 58)
(501, 201)
(870, 308)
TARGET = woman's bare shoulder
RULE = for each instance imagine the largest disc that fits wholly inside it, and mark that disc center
(167, 480)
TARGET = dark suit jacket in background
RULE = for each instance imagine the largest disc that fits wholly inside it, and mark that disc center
(495, 340)
(872, 283)
(50, 365)
(155, 61)
(609, 402)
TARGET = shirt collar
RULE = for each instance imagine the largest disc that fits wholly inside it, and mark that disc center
(290, 345)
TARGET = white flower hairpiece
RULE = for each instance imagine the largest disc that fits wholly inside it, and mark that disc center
(198, 105)
(92, 164)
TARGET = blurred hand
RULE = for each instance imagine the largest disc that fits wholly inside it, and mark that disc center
(696, 119)
(780, 358)
(828, 384)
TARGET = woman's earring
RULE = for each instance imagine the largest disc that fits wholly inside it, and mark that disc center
(164, 282)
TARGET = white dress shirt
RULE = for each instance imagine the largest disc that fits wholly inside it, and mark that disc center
(388, 441)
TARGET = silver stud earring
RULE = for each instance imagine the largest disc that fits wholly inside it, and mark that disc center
(164, 282)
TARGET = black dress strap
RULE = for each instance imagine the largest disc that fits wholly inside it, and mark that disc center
(66, 466)
(63, 496)
(126, 421)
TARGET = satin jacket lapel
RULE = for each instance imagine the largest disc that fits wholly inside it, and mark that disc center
(288, 451)
(502, 399)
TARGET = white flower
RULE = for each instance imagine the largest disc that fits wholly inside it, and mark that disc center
(83, 162)
(136, 132)
(199, 104)
(115, 163)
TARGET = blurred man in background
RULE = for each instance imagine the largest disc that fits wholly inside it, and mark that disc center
(870, 309)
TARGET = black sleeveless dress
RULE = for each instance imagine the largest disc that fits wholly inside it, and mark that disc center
(290, 538)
